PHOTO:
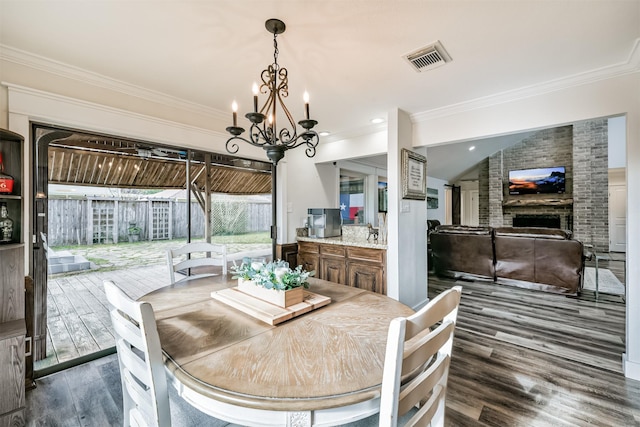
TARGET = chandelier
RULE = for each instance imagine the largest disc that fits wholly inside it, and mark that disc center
(264, 131)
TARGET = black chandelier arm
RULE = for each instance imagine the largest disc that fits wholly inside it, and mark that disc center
(285, 136)
(254, 139)
(232, 146)
(287, 113)
(283, 86)
(267, 87)
(259, 135)
(308, 138)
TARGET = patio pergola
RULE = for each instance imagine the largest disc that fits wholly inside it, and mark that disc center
(80, 158)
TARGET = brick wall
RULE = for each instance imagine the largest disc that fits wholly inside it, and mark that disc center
(549, 147)
(496, 168)
(483, 193)
(582, 149)
(591, 183)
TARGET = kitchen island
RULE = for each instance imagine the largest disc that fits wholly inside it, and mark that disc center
(349, 260)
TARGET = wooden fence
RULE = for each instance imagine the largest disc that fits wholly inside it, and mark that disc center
(86, 221)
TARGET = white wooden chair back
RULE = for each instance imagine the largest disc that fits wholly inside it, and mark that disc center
(144, 384)
(195, 255)
(417, 360)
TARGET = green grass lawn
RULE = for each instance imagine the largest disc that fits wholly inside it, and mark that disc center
(241, 239)
(143, 253)
(262, 237)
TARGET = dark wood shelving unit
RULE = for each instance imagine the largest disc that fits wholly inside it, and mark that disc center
(12, 295)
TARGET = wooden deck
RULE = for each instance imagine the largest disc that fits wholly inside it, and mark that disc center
(78, 318)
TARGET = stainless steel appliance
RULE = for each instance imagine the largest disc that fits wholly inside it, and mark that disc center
(324, 222)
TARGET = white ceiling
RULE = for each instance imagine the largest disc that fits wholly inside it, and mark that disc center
(456, 161)
(347, 54)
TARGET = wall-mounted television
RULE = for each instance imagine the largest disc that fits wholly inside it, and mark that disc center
(537, 181)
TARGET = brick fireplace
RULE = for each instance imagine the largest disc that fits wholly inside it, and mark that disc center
(582, 148)
(546, 221)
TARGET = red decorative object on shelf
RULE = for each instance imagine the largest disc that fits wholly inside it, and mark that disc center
(6, 181)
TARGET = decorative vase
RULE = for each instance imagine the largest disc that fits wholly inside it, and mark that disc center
(272, 296)
(382, 227)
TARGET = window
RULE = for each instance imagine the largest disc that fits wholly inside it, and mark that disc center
(352, 197)
(382, 195)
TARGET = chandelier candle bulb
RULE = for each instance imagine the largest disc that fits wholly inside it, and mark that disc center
(255, 97)
(234, 108)
(305, 97)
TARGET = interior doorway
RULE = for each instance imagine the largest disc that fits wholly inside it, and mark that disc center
(617, 217)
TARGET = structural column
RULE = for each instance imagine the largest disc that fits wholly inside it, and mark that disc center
(406, 222)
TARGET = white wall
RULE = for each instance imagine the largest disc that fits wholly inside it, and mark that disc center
(617, 142)
(309, 185)
(407, 223)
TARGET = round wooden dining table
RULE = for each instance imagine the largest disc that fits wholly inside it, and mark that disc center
(323, 367)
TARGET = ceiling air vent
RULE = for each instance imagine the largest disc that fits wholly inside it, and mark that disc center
(428, 57)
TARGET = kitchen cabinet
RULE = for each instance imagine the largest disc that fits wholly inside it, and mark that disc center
(360, 267)
(309, 257)
(12, 400)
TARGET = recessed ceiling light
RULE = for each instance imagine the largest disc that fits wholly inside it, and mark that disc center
(473, 147)
(377, 120)
(324, 133)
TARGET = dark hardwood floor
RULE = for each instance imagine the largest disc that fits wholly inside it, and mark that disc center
(529, 358)
(520, 358)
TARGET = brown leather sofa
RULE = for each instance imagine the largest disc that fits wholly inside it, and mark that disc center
(536, 258)
(463, 249)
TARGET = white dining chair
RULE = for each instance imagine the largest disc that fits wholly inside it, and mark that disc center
(196, 256)
(144, 384)
(416, 365)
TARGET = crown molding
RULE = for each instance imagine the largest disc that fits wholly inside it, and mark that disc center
(631, 65)
(61, 69)
(20, 57)
(123, 116)
(354, 133)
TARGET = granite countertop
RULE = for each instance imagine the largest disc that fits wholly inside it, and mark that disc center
(345, 241)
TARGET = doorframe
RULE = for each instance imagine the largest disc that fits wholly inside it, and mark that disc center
(617, 179)
(39, 228)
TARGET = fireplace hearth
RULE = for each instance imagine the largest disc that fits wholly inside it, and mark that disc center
(544, 221)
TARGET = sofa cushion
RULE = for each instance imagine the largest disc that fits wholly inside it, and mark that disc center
(463, 229)
(559, 263)
(514, 257)
(462, 252)
(533, 232)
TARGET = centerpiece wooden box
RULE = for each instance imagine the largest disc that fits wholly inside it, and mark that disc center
(273, 296)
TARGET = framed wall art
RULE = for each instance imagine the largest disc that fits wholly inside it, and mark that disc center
(414, 175)
(432, 198)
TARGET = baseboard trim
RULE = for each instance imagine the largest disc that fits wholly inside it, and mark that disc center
(631, 369)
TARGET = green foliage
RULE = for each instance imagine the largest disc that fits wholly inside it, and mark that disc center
(261, 237)
(229, 217)
(134, 230)
(274, 275)
(99, 261)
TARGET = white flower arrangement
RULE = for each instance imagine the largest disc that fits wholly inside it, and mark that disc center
(272, 275)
